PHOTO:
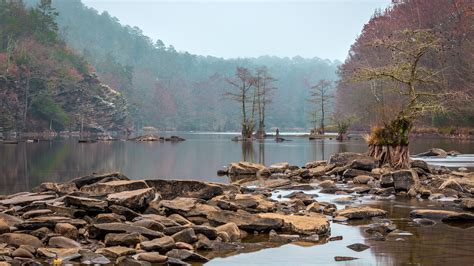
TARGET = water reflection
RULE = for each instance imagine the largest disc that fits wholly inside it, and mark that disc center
(26, 165)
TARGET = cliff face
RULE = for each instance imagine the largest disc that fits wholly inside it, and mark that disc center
(89, 102)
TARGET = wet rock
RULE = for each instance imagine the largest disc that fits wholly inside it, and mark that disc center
(386, 180)
(365, 164)
(344, 200)
(109, 218)
(170, 189)
(124, 211)
(445, 215)
(306, 198)
(231, 229)
(48, 221)
(186, 235)
(279, 167)
(129, 261)
(22, 253)
(88, 257)
(134, 199)
(150, 224)
(127, 240)
(100, 189)
(351, 173)
(34, 213)
(274, 237)
(245, 220)
(258, 202)
(100, 230)
(10, 219)
(182, 245)
(343, 258)
(115, 252)
(424, 221)
(362, 179)
(186, 255)
(162, 244)
(466, 203)
(67, 230)
(360, 212)
(405, 180)
(152, 257)
(63, 254)
(420, 164)
(245, 168)
(95, 178)
(313, 207)
(18, 239)
(87, 204)
(59, 188)
(28, 198)
(451, 184)
(40, 233)
(310, 224)
(340, 219)
(344, 158)
(434, 152)
(358, 247)
(62, 242)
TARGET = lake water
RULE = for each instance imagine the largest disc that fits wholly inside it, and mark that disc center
(26, 165)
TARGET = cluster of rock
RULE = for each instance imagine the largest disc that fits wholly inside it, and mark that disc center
(157, 138)
(102, 219)
(360, 174)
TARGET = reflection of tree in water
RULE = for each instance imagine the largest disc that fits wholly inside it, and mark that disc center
(249, 153)
(27, 165)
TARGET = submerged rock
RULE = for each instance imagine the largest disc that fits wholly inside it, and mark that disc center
(358, 247)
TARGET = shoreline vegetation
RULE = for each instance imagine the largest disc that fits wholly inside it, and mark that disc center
(108, 218)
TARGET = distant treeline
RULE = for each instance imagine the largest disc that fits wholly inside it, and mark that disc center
(166, 88)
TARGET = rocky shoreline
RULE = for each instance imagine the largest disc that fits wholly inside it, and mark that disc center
(108, 218)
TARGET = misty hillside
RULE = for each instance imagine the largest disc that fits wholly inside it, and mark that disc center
(172, 89)
(46, 85)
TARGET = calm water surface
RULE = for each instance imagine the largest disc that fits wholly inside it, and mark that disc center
(26, 165)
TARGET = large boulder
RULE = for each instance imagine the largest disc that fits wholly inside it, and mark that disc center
(245, 220)
(420, 164)
(88, 204)
(360, 212)
(231, 229)
(170, 189)
(94, 178)
(62, 242)
(98, 231)
(245, 168)
(344, 158)
(24, 199)
(134, 199)
(162, 244)
(99, 189)
(310, 224)
(405, 180)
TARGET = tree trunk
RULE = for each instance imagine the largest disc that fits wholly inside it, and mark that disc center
(397, 156)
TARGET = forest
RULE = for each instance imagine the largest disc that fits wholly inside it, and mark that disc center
(154, 85)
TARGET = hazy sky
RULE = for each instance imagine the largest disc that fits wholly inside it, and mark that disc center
(244, 28)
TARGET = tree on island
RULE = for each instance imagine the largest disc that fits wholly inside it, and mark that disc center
(320, 96)
(242, 83)
(420, 86)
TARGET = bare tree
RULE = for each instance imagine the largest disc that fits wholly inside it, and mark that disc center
(263, 88)
(242, 83)
(320, 96)
(420, 86)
